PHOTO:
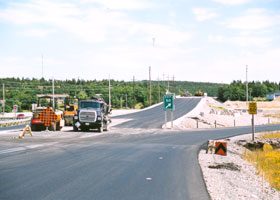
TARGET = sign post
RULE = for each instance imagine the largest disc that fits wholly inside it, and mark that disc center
(15, 109)
(253, 111)
(168, 104)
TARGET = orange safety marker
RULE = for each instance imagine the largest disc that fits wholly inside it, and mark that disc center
(47, 116)
(27, 128)
(221, 148)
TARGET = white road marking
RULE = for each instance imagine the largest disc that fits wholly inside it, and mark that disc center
(40, 145)
(12, 150)
(25, 148)
(88, 135)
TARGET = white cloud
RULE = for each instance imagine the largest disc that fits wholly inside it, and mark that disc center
(264, 65)
(243, 41)
(90, 24)
(203, 14)
(232, 2)
(254, 19)
(164, 35)
(122, 4)
(41, 33)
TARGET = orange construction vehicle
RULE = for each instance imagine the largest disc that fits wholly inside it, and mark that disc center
(70, 109)
(45, 101)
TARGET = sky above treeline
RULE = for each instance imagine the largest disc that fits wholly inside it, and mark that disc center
(192, 40)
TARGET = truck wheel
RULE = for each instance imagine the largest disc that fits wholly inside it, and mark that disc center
(33, 127)
(105, 128)
(52, 127)
(100, 129)
(75, 128)
(58, 127)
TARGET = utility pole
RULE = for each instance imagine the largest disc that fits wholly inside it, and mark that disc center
(150, 98)
(173, 84)
(133, 92)
(125, 101)
(42, 66)
(168, 83)
(158, 91)
(163, 80)
(53, 94)
(3, 98)
(121, 102)
(109, 92)
(246, 84)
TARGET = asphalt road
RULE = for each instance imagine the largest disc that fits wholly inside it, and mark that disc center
(154, 117)
(13, 127)
(123, 164)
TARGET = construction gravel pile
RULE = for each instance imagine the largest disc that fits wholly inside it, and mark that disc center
(230, 177)
(210, 113)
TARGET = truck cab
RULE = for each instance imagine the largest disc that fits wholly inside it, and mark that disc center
(91, 114)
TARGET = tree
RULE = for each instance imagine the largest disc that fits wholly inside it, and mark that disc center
(82, 95)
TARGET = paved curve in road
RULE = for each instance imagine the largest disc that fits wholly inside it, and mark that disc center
(152, 165)
(154, 117)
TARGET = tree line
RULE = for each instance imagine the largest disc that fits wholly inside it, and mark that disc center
(237, 90)
(22, 91)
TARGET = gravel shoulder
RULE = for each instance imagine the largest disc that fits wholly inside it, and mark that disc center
(230, 177)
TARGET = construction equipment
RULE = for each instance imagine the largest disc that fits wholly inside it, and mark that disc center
(92, 114)
(70, 109)
(44, 102)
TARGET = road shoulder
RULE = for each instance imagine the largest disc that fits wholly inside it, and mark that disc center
(231, 177)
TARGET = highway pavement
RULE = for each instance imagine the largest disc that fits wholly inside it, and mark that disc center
(122, 164)
(154, 117)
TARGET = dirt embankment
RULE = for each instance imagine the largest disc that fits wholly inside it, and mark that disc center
(211, 113)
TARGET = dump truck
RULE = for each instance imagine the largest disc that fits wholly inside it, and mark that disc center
(45, 101)
(92, 114)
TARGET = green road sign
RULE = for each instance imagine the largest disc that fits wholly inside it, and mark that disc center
(168, 102)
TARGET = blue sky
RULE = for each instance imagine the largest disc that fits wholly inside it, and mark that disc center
(205, 40)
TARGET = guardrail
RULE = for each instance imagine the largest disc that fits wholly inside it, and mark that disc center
(13, 122)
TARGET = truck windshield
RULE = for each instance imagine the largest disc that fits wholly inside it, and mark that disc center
(89, 105)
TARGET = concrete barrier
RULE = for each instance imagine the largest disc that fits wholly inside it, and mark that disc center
(14, 122)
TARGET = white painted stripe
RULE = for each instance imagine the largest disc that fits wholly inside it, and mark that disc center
(34, 146)
(12, 150)
(40, 145)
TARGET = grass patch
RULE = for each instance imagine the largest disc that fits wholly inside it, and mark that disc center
(270, 135)
(276, 115)
(267, 162)
(218, 108)
(259, 99)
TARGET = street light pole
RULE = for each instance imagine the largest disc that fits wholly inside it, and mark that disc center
(3, 98)
(247, 84)
(53, 94)
(42, 65)
(109, 92)
(150, 98)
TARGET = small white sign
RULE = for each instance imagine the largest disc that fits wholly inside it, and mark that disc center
(78, 124)
(15, 108)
